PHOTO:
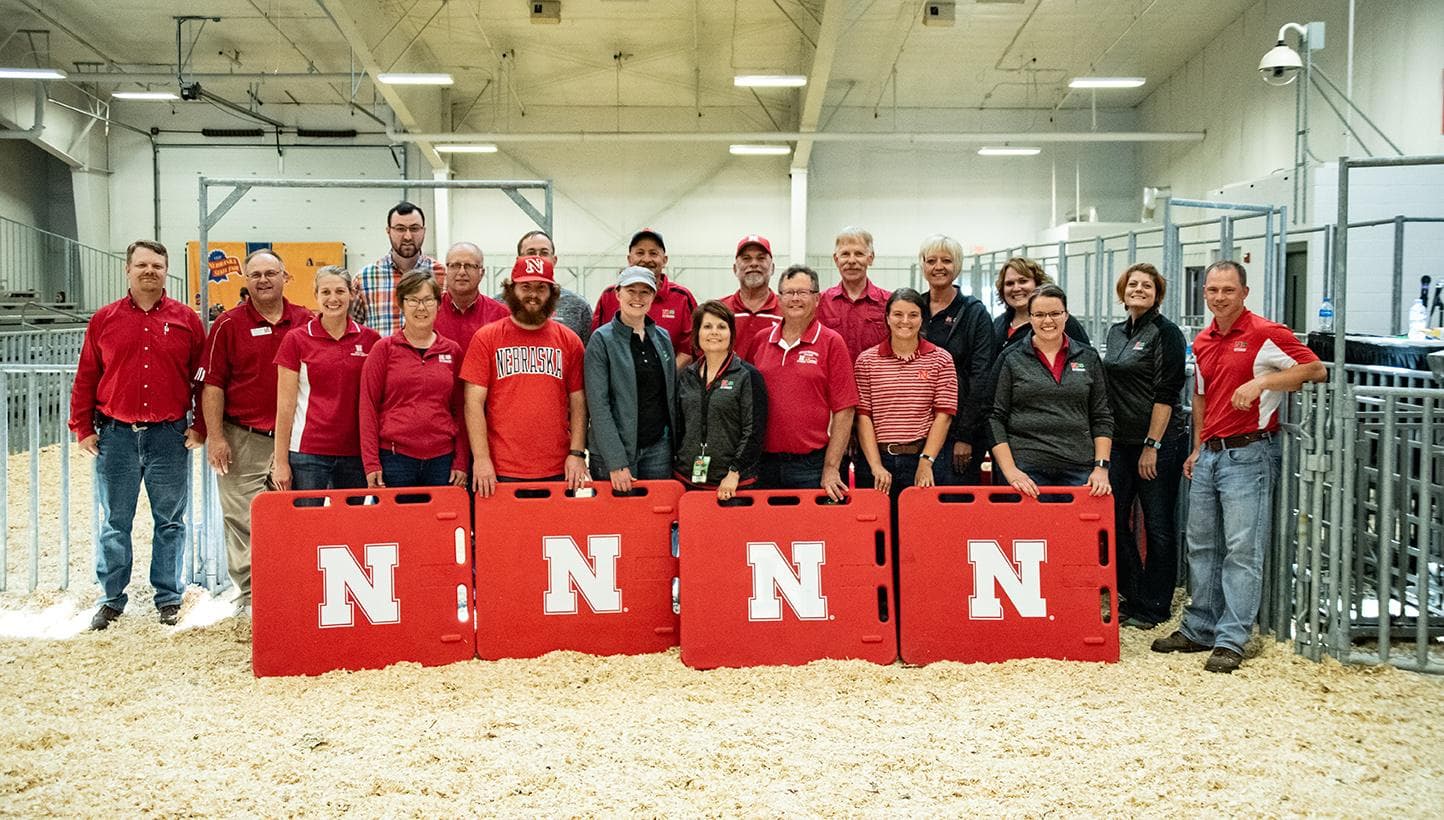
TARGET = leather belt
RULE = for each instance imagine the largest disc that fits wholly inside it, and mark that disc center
(249, 429)
(905, 448)
(136, 426)
(1232, 442)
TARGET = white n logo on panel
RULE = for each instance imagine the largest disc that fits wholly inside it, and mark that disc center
(773, 574)
(569, 572)
(373, 588)
(1020, 579)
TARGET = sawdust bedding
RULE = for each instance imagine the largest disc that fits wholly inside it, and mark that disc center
(148, 719)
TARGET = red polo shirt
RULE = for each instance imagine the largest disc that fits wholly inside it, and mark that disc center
(813, 376)
(240, 359)
(137, 365)
(903, 396)
(861, 322)
(529, 376)
(460, 325)
(1252, 347)
(671, 310)
(411, 402)
(751, 322)
(327, 420)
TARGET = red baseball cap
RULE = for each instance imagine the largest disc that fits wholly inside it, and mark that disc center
(754, 239)
(533, 269)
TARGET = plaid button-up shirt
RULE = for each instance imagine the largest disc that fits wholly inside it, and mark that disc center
(376, 306)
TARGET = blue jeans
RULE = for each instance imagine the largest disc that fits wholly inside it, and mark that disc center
(943, 472)
(1146, 587)
(786, 471)
(404, 471)
(653, 462)
(155, 456)
(310, 472)
(904, 469)
(1230, 523)
(1055, 476)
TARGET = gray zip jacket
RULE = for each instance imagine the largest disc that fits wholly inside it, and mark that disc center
(611, 379)
(1046, 423)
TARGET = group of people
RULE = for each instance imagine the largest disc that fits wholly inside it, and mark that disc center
(407, 375)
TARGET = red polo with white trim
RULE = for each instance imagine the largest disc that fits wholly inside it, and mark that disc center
(327, 420)
(460, 325)
(811, 380)
(671, 310)
(411, 402)
(751, 322)
(1252, 347)
(240, 359)
(862, 322)
(902, 396)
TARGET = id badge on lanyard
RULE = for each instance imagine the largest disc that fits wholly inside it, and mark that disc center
(700, 465)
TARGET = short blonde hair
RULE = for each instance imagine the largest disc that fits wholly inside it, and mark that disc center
(942, 242)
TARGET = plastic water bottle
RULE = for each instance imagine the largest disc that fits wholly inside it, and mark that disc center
(1326, 316)
(1418, 318)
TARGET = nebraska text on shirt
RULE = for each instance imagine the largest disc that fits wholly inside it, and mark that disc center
(516, 361)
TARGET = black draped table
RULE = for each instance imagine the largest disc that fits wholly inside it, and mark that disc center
(1384, 351)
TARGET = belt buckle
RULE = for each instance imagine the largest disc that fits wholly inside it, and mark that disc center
(890, 450)
(137, 427)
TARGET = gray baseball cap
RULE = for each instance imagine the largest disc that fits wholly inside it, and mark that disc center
(634, 274)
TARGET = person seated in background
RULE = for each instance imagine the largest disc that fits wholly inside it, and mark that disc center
(631, 385)
(411, 409)
(526, 402)
(1050, 418)
(463, 307)
(721, 409)
(671, 310)
(907, 394)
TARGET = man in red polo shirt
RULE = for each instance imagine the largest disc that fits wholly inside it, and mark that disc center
(754, 306)
(854, 307)
(1245, 366)
(239, 401)
(809, 366)
(464, 309)
(129, 406)
(526, 406)
(671, 310)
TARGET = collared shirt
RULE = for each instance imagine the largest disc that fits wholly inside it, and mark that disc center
(1252, 347)
(529, 376)
(328, 393)
(902, 396)
(862, 322)
(240, 357)
(813, 376)
(671, 310)
(136, 366)
(377, 308)
(411, 402)
(460, 325)
(652, 409)
(1056, 366)
(751, 322)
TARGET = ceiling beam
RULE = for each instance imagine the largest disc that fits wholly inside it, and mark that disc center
(828, 34)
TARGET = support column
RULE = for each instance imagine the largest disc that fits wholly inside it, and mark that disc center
(798, 239)
(441, 205)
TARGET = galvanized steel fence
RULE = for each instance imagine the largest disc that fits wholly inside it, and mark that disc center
(59, 269)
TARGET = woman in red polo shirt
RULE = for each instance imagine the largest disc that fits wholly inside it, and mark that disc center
(907, 395)
(412, 430)
(318, 381)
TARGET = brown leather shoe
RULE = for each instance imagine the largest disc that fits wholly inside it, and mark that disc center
(1178, 642)
(103, 617)
(1223, 660)
(169, 614)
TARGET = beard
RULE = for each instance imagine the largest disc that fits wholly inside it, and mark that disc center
(406, 248)
(525, 313)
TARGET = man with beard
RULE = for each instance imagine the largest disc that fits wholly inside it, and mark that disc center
(572, 310)
(526, 406)
(239, 401)
(463, 309)
(375, 305)
(755, 305)
(854, 307)
(672, 309)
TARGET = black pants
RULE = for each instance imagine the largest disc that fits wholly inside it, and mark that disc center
(1146, 586)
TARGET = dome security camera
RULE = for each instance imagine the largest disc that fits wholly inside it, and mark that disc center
(1281, 65)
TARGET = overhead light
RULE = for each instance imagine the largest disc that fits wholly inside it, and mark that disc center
(31, 74)
(415, 79)
(144, 95)
(467, 148)
(1007, 151)
(752, 149)
(1107, 82)
(769, 80)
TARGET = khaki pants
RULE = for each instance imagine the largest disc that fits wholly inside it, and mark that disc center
(252, 455)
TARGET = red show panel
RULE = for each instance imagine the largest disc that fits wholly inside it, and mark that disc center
(989, 575)
(360, 579)
(590, 573)
(786, 578)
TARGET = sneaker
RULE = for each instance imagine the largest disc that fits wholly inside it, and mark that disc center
(169, 614)
(1223, 660)
(1178, 642)
(103, 617)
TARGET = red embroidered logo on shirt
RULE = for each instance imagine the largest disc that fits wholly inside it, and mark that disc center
(359, 351)
(668, 313)
(1240, 346)
(1077, 367)
(924, 375)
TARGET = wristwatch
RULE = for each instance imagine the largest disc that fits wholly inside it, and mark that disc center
(928, 457)
(1102, 462)
(1153, 442)
(577, 453)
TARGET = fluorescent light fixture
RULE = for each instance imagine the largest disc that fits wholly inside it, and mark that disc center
(1107, 82)
(415, 79)
(752, 149)
(31, 74)
(145, 95)
(467, 148)
(769, 80)
(1007, 151)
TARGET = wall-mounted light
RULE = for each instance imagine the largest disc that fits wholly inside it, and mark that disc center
(31, 74)
(769, 80)
(392, 78)
(752, 149)
(467, 148)
(1107, 82)
(144, 95)
(1008, 151)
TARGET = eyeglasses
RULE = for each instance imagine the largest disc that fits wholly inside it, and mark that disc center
(466, 266)
(796, 294)
(1054, 315)
(406, 228)
(421, 301)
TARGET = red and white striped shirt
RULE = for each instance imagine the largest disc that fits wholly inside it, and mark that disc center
(904, 395)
